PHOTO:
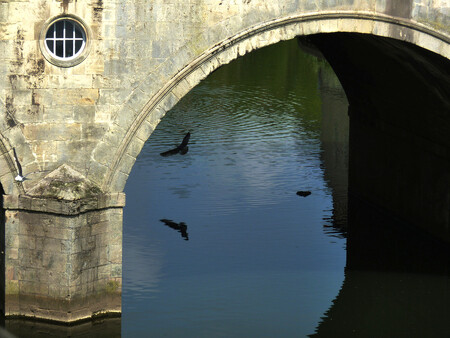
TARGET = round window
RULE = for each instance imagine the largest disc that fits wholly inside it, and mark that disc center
(64, 41)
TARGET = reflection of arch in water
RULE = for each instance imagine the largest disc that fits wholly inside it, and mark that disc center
(334, 142)
(103, 328)
(388, 304)
(396, 282)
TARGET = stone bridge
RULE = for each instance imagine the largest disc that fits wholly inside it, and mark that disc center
(83, 83)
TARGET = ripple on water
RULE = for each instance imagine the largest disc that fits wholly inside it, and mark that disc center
(251, 238)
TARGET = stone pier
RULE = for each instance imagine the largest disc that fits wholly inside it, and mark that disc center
(63, 258)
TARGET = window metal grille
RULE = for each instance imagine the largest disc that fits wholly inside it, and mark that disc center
(65, 39)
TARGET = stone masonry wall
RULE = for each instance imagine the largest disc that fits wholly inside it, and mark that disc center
(63, 267)
(51, 115)
(96, 116)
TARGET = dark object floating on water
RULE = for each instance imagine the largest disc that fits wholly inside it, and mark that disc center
(180, 227)
(303, 193)
(181, 149)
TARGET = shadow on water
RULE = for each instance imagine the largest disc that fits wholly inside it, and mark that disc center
(180, 227)
(334, 141)
(397, 281)
(101, 328)
(397, 278)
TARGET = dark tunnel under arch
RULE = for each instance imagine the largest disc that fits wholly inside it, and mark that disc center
(399, 109)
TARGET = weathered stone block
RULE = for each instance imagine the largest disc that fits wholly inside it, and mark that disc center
(30, 257)
(119, 181)
(115, 253)
(84, 114)
(12, 240)
(55, 263)
(116, 270)
(103, 152)
(27, 242)
(104, 271)
(50, 131)
(12, 253)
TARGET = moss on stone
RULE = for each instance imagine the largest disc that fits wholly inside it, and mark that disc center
(113, 286)
(437, 25)
(12, 287)
(65, 183)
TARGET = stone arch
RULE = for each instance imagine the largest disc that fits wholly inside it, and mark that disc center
(125, 151)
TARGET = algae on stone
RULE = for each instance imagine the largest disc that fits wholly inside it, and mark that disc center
(65, 183)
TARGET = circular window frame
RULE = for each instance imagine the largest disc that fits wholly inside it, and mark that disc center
(65, 62)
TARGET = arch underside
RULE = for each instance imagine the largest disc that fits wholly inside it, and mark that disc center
(242, 43)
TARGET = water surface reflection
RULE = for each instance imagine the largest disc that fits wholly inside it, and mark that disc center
(180, 227)
(396, 281)
(258, 261)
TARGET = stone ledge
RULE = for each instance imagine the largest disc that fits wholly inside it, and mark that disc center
(62, 206)
(63, 311)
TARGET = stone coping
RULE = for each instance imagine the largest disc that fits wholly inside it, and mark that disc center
(61, 206)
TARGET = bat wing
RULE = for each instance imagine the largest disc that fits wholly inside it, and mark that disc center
(185, 141)
(184, 150)
(170, 152)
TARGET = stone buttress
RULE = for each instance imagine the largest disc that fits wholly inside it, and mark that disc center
(63, 258)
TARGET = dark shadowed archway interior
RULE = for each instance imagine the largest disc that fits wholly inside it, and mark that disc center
(399, 126)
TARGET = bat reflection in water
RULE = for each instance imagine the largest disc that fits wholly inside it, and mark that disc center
(180, 227)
